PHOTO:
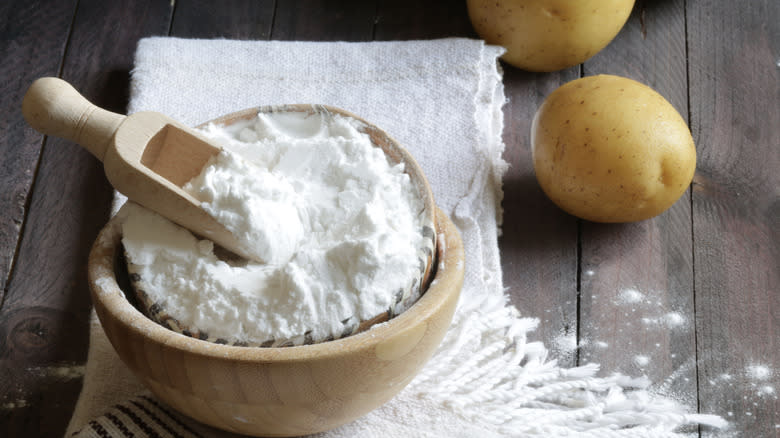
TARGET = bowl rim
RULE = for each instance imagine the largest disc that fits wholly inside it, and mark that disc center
(110, 301)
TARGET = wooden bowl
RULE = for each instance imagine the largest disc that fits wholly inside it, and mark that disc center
(402, 299)
(276, 391)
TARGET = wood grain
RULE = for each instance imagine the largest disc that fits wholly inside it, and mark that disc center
(539, 241)
(235, 19)
(735, 116)
(35, 35)
(34, 38)
(411, 20)
(45, 314)
(324, 20)
(637, 313)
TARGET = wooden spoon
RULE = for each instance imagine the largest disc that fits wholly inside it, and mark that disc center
(147, 156)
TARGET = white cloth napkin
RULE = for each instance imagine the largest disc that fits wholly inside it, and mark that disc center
(442, 100)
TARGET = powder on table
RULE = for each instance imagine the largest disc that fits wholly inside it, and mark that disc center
(337, 225)
(641, 360)
(758, 372)
(629, 296)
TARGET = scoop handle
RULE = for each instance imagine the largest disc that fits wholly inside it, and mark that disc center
(53, 107)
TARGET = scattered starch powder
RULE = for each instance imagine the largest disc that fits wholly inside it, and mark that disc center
(338, 227)
(566, 343)
(641, 360)
(628, 296)
(669, 320)
(759, 372)
(673, 319)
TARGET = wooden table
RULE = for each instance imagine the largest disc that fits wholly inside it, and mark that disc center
(690, 298)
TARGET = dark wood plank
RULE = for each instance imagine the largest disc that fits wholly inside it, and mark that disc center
(735, 116)
(34, 37)
(539, 241)
(637, 313)
(234, 19)
(44, 320)
(413, 20)
(324, 20)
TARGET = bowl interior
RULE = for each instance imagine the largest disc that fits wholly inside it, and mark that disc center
(425, 254)
(112, 297)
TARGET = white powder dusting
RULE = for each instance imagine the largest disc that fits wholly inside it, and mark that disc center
(65, 371)
(673, 319)
(565, 344)
(337, 225)
(630, 296)
(669, 320)
(676, 385)
(641, 360)
(16, 404)
(758, 372)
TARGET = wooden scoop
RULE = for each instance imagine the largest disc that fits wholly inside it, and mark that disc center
(147, 156)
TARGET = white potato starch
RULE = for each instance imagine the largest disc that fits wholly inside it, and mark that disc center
(337, 226)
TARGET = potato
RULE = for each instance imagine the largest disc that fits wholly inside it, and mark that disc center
(549, 35)
(609, 149)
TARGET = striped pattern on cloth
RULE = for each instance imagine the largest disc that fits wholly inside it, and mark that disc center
(141, 416)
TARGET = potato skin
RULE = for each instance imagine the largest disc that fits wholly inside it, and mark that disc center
(548, 35)
(609, 149)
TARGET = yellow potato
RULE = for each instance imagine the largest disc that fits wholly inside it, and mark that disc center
(549, 35)
(609, 149)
